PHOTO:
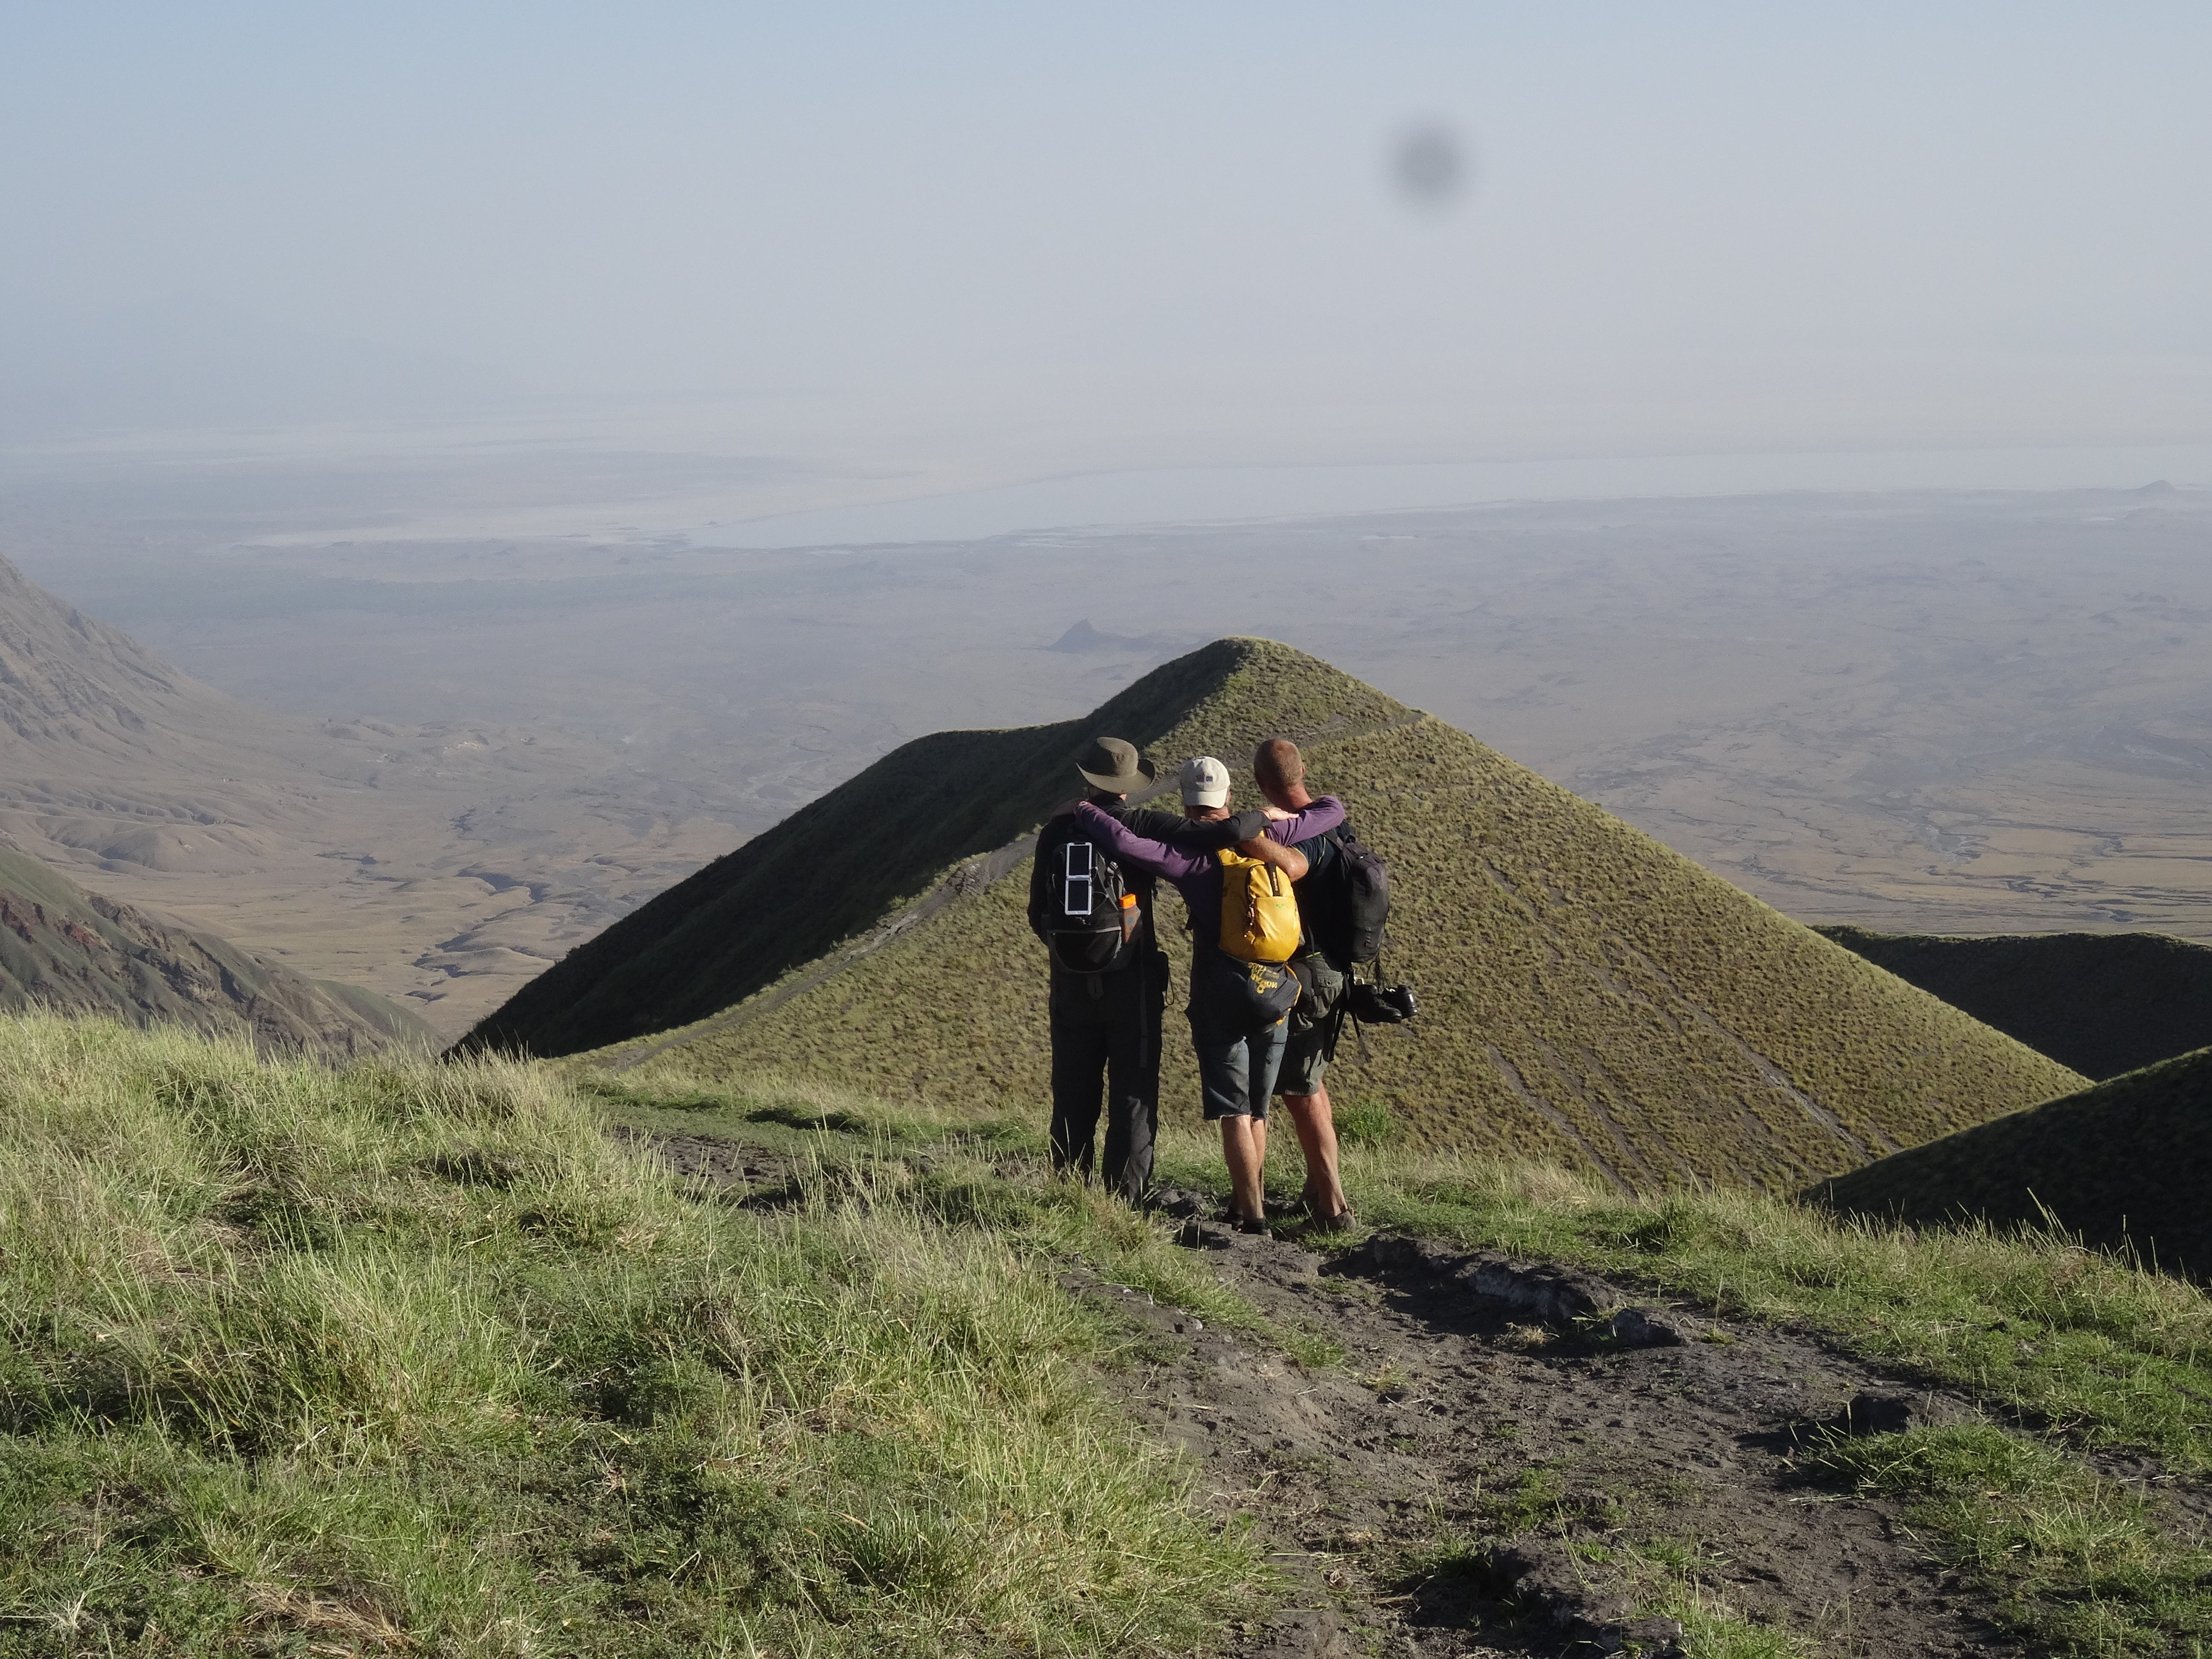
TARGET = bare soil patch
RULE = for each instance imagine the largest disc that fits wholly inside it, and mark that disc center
(766, 1176)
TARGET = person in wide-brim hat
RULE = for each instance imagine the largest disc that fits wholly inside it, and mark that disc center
(1105, 1025)
(1115, 767)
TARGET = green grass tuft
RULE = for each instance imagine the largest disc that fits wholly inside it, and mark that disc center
(2070, 1559)
(410, 1357)
(1362, 1121)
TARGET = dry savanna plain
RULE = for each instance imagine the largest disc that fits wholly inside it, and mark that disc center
(448, 756)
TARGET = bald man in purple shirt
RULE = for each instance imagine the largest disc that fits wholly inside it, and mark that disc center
(1236, 1065)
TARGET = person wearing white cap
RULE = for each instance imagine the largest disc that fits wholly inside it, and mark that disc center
(1237, 1062)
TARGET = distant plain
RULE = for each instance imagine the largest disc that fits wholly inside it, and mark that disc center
(1920, 711)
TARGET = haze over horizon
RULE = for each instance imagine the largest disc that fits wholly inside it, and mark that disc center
(882, 255)
(614, 429)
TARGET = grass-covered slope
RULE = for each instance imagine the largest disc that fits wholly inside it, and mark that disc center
(2104, 1004)
(403, 1358)
(837, 865)
(406, 1358)
(1589, 995)
(2128, 1162)
(64, 949)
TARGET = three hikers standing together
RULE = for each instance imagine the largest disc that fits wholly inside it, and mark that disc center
(1265, 994)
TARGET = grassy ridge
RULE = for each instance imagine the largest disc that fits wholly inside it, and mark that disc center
(2104, 1004)
(414, 1358)
(1590, 997)
(2126, 1164)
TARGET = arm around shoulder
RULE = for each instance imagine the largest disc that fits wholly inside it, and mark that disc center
(1266, 848)
(1103, 831)
(1199, 834)
(1324, 815)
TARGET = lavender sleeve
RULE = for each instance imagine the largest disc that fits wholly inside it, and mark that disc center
(1323, 816)
(1154, 856)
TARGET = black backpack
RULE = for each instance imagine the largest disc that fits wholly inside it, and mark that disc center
(1090, 915)
(1346, 903)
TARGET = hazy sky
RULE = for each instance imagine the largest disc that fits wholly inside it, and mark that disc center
(1136, 234)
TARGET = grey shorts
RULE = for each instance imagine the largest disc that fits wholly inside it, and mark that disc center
(1304, 1062)
(1303, 1059)
(1237, 1069)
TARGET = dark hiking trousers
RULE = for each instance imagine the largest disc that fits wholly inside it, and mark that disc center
(1108, 1038)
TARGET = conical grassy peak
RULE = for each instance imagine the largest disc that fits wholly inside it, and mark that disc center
(1589, 996)
(838, 865)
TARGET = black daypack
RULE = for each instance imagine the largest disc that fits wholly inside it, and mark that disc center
(1090, 916)
(1346, 903)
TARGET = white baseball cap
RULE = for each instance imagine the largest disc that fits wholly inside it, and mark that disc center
(1205, 782)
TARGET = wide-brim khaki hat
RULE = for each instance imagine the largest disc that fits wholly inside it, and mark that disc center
(1115, 767)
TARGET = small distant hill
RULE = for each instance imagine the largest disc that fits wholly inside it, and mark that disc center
(2128, 1162)
(63, 948)
(2104, 1004)
(1589, 995)
(1084, 637)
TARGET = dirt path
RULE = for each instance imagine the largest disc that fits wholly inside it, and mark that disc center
(1497, 1431)
(1461, 1414)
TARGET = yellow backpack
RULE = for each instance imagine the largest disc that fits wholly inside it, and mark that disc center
(1259, 912)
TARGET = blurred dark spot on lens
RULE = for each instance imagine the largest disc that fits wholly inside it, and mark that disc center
(1429, 164)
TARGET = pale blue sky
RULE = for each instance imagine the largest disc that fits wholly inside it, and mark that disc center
(1689, 223)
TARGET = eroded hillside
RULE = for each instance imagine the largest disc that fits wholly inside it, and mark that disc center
(442, 864)
(70, 952)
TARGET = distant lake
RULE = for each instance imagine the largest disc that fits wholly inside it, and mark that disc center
(1183, 495)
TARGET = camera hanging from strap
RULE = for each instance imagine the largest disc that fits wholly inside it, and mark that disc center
(1365, 1004)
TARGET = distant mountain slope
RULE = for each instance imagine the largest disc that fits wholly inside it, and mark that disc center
(2104, 1004)
(62, 947)
(2129, 1159)
(445, 863)
(1589, 995)
(109, 751)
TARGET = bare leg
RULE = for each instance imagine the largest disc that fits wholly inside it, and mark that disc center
(1317, 1126)
(1244, 1150)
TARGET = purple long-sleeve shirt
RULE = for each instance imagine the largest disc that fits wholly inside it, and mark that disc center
(1197, 876)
